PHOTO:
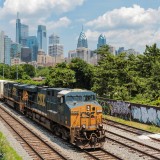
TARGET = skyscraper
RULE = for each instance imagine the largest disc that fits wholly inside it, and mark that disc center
(101, 41)
(7, 50)
(32, 43)
(55, 48)
(18, 29)
(42, 38)
(24, 35)
(82, 40)
(16, 50)
(1, 47)
(22, 32)
(26, 54)
(54, 39)
(120, 50)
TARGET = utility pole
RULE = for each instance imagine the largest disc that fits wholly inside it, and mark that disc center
(55, 58)
(3, 72)
(17, 72)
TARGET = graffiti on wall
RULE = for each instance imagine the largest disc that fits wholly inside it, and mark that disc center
(146, 114)
(126, 110)
(120, 108)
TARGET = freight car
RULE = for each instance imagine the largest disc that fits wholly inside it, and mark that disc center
(73, 114)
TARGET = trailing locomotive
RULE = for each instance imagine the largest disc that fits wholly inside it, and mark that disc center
(73, 114)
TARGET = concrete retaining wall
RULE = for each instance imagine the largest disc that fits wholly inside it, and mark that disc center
(137, 112)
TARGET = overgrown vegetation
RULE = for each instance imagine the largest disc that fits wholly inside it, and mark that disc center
(129, 77)
(7, 152)
(121, 77)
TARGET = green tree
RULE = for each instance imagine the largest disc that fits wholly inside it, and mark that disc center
(83, 73)
(61, 77)
(29, 70)
(42, 71)
(16, 70)
(105, 73)
(4, 69)
(62, 65)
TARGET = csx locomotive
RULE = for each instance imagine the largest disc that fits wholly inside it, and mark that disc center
(73, 114)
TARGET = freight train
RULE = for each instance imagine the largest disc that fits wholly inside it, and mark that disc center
(73, 114)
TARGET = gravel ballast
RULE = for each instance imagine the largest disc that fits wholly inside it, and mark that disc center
(64, 147)
(14, 143)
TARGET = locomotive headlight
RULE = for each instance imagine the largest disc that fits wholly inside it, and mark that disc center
(88, 108)
(100, 125)
(83, 126)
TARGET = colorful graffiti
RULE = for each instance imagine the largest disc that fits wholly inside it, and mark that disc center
(120, 108)
(126, 110)
(146, 114)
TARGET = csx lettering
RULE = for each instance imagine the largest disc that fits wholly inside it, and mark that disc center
(41, 99)
(14, 91)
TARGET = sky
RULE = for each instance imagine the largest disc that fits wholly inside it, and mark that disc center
(125, 23)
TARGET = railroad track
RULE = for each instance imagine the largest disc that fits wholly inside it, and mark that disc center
(100, 154)
(133, 145)
(37, 147)
(130, 129)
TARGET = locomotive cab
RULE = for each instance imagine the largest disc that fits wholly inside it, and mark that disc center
(86, 129)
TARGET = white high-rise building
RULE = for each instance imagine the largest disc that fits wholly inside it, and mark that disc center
(2, 47)
(55, 48)
(54, 39)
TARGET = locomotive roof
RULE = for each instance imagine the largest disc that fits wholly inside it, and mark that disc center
(31, 88)
(21, 86)
(58, 89)
(75, 92)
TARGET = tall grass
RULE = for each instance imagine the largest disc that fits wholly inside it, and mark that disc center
(6, 151)
(150, 128)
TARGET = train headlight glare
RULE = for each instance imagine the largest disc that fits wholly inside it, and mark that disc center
(100, 125)
(83, 126)
(88, 108)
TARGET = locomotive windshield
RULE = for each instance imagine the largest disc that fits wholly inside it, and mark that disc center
(89, 98)
(74, 98)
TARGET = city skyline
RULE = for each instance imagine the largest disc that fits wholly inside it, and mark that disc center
(126, 24)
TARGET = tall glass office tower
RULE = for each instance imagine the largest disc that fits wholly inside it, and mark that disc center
(101, 41)
(32, 43)
(7, 50)
(22, 32)
(82, 40)
(24, 35)
(42, 38)
(15, 50)
(1, 47)
(18, 29)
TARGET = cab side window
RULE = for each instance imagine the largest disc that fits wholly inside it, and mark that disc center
(61, 99)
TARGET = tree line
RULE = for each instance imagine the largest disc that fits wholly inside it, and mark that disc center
(121, 77)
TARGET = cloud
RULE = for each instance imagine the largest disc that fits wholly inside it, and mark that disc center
(62, 22)
(132, 27)
(40, 6)
(136, 39)
(35, 12)
(126, 17)
(81, 20)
